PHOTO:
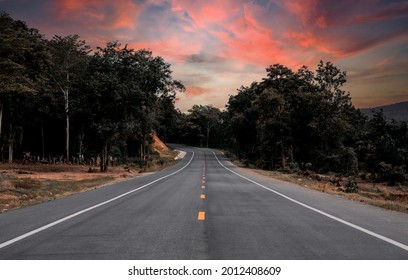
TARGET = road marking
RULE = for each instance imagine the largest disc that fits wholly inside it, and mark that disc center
(204, 167)
(201, 216)
(23, 236)
(202, 196)
(379, 236)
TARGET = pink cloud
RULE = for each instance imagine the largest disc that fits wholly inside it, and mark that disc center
(173, 48)
(305, 10)
(122, 13)
(197, 91)
(253, 40)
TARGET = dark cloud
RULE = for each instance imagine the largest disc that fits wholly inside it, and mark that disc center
(203, 58)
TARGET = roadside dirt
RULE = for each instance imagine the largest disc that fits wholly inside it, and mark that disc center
(27, 184)
(378, 194)
(23, 185)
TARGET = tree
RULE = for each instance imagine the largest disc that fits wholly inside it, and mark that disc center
(203, 120)
(296, 117)
(384, 144)
(124, 87)
(22, 56)
(112, 100)
(69, 54)
(242, 117)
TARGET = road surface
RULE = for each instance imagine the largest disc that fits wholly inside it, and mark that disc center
(203, 208)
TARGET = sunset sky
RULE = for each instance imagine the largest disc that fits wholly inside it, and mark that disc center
(214, 47)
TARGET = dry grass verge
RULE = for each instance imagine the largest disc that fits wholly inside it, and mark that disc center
(377, 194)
(24, 185)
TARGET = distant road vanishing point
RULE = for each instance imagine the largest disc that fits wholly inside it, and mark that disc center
(203, 208)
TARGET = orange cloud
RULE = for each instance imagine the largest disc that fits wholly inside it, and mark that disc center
(196, 91)
(195, 95)
(112, 15)
(253, 41)
(306, 11)
(172, 48)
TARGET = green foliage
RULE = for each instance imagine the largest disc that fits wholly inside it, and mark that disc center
(351, 187)
(22, 62)
(103, 104)
(306, 118)
(22, 54)
(391, 174)
(383, 149)
(203, 126)
(295, 117)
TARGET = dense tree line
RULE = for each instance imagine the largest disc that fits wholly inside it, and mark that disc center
(57, 98)
(296, 118)
(202, 126)
(300, 120)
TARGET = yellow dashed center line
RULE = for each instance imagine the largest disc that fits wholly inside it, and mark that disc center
(201, 216)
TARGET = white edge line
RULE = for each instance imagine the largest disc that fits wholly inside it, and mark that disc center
(23, 236)
(386, 239)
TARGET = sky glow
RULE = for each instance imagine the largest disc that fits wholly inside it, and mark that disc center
(214, 47)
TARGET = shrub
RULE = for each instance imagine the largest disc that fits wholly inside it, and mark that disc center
(391, 174)
(294, 167)
(351, 187)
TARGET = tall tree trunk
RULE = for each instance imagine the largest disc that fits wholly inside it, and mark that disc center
(67, 139)
(102, 161)
(143, 148)
(1, 117)
(208, 132)
(283, 156)
(42, 141)
(67, 123)
(65, 91)
(104, 158)
(81, 144)
(292, 160)
(11, 142)
(1, 122)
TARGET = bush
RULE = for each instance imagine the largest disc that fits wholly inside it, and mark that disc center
(294, 167)
(229, 155)
(391, 174)
(285, 170)
(344, 161)
(351, 187)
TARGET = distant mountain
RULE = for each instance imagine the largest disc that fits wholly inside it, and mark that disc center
(397, 111)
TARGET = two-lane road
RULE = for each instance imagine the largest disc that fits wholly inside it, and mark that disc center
(203, 208)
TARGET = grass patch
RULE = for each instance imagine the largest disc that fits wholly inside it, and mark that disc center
(25, 185)
(17, 192)
(381, 195)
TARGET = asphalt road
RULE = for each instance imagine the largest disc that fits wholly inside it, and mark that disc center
(203, 208)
